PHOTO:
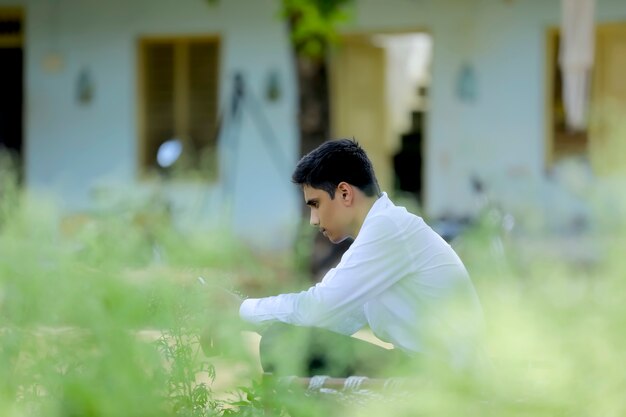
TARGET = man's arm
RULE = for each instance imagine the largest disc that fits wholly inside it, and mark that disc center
(375, 261)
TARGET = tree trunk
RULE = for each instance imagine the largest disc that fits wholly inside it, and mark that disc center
(314, 102)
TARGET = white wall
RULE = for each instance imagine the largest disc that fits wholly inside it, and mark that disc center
(500, 135)
(70, 148)
(501, 130)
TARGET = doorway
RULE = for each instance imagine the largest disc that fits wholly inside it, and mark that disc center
(11, 85)
(379, 95)
(379, 86)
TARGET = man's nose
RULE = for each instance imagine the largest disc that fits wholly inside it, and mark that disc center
(314, 220)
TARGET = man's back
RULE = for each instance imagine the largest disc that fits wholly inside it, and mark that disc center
(420, 297)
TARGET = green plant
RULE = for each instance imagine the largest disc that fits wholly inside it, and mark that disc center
(92, 324)
(189, 397)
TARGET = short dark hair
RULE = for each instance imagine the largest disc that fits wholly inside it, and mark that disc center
(335, 161)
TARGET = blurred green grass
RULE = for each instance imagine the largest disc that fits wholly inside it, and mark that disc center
(75, 295)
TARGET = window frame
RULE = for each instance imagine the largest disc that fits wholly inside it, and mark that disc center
(181, 110)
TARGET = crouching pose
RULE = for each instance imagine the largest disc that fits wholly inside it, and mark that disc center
(398, 277)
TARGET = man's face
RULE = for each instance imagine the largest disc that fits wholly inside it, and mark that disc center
(329, 215)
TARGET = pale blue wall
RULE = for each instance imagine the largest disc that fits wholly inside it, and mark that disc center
(500, 135)
(501, 131)
(72, 149)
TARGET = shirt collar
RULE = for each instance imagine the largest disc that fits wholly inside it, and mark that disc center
(381, 203)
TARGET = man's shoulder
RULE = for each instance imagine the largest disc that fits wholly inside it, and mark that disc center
(390, 223)
(398, 216)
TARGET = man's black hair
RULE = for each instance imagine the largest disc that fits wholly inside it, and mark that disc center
(336, 161)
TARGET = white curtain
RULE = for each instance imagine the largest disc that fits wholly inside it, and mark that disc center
(576, 58)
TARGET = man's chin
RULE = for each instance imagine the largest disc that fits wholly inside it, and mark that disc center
(337, 241)
(333, 239)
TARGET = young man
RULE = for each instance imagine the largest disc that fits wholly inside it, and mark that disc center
(398, 277)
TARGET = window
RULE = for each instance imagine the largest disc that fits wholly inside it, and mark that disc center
(563, 143)
(602, 143)
(11, 31)
(178, 92)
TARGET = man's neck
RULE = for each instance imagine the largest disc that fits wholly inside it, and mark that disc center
(363, 206)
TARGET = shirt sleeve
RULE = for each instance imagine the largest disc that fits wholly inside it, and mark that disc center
(375, 261)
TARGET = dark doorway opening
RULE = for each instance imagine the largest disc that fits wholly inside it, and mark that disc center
(11, 103)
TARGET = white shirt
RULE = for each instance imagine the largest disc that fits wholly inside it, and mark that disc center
(400, 278)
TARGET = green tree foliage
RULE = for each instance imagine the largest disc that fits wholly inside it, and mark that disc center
(314, 24)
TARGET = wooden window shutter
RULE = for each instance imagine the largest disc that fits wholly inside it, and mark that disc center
(158, 98)
(203, 104)
(11, 30)
(180, 84)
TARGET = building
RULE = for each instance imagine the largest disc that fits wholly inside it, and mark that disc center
(103, 84)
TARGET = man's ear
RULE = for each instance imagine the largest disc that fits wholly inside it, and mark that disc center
(345, 192)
